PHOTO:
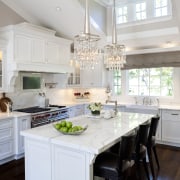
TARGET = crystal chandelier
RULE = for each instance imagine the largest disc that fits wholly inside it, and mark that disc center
(114, 54)
(86, 52)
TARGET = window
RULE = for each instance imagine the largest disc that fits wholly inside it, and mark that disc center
(161, 8)
(140, 11)
(117, 82)
(151, 82)
(121, 15)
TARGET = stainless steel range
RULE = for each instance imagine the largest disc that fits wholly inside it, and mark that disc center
(41, 116)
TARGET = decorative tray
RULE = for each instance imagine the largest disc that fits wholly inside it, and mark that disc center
(78, 132)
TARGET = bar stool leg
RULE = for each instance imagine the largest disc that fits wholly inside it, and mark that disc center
(156, 157)
(151, 161)
(146, 168)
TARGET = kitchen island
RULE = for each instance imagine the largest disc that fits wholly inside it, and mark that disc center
(50, 155)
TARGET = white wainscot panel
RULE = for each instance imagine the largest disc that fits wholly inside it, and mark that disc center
(38, 160)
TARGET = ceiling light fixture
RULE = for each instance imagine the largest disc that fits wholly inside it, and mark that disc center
(86, 52)
(114, 54)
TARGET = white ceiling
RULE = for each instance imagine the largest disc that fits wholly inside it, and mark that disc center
(69, 20)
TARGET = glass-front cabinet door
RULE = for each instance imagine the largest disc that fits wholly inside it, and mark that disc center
(2, 64)
(1, 68)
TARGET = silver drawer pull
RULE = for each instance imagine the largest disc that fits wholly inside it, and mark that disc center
(175, 114)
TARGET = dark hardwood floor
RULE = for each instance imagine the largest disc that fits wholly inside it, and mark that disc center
(169, 166)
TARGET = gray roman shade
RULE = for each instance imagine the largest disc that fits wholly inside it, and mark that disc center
(163, 59)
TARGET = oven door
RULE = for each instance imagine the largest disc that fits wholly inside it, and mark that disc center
(38, 121)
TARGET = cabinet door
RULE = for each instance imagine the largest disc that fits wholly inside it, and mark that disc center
(6, 149)
(6, 138)
(21, 123)
(64, 52)
(38, 48)
(2, 60)
(93, 78)
(68, 164)
(24, 123)
(22, 48)
(76, 110)
(52, 53)
(171, 126)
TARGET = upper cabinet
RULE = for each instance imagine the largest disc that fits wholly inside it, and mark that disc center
(34, 48)
(93, 78)
(88, 78)
(3, 46)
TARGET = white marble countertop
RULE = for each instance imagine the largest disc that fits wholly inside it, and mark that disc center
(100, 134)
(129, 105)
(4, 115)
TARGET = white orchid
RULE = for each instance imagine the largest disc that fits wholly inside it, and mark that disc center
(95, 106)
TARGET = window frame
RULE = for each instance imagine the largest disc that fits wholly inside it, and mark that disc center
(150, 14)
(125, 85)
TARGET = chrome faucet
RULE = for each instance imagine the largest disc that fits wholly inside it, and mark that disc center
(115, 102)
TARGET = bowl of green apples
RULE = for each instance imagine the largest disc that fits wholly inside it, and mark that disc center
(68, 128)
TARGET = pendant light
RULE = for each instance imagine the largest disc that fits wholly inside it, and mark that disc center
(86, 52)
(114, 54)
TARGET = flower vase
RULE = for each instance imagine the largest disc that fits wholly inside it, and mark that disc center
(95, 112)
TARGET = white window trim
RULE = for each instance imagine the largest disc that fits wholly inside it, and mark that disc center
(144, 21)
(150, 16)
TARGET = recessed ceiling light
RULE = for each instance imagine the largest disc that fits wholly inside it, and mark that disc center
(58, 8)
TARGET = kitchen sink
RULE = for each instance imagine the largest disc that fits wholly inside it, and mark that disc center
(141, 106)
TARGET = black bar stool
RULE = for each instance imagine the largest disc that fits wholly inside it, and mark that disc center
(116, 166)
(151, 144)
(141, 149)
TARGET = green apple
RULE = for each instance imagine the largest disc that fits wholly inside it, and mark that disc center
(69, 124)
(58, 126)
(63, 123)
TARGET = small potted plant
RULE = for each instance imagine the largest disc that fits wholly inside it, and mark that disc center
(95, 108)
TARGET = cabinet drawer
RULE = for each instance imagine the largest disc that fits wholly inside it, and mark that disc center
(6, 149)
(172, 115)
(6, 123)
(170, 131)
(6, 133)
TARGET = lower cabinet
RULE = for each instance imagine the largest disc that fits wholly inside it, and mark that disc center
(171, 126)
(148, 111)
(20, 124)
(76, 110)
(68, 164)
(6, 139)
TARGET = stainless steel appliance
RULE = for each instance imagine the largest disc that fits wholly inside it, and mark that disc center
(41, 116)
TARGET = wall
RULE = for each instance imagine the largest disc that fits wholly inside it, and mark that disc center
(8, 16)
(98, 13)
(62, 95)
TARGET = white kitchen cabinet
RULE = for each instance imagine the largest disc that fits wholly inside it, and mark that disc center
(22, 49)
(3, 66)
(38, 160)
(37, 50)
(171, 126)
(28, 49)
(34, 48)
(58, 52)
(6, 140)
(93, 78)
(20, 123)
(64, 159)
(76, 110)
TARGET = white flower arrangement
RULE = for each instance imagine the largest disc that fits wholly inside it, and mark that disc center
(95, 106)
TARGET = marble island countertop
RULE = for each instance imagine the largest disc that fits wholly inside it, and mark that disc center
(100, 134)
